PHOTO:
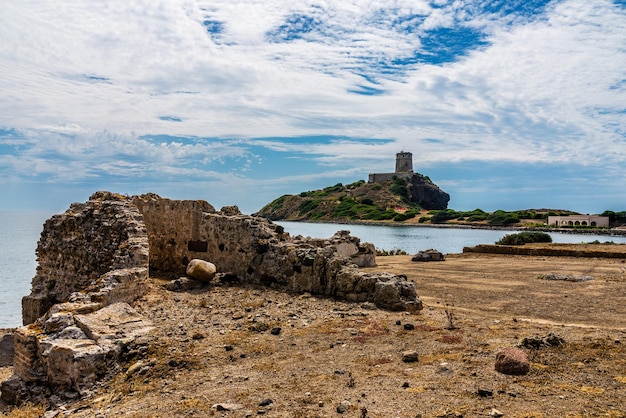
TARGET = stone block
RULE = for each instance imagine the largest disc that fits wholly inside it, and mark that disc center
(116, 322)
(7, 349)
(75, 363)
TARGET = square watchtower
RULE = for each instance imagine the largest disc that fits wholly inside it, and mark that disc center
(404, 162)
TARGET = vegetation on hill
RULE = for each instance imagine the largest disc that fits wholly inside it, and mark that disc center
(397, 199)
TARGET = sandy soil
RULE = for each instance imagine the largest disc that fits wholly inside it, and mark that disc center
(215, 345)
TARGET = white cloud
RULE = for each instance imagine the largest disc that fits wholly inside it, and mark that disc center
(85, 81)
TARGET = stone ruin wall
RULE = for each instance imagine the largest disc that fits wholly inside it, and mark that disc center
(175, 229)
(94, 258)
(256, 250)
(99, 244)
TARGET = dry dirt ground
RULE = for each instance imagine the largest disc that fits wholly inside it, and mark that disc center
(221, 345)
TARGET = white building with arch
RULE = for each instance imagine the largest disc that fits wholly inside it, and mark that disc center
(579, 220)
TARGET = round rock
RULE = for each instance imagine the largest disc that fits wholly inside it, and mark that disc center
(512, 361)
(201, 270)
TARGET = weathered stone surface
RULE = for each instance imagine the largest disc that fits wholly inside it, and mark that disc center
(13, 390)
(230, 210)
(182, 284)
(75, 363)
(98, 246)
(410, 356)
(227, 406)
(255, 250)
(172, 226)
(428, 255)
(93, 260)
(566, 277)
(535, 343)
(6, 348)
(73, 350)
(512, 361)
(427, 194)
(201, 270)
(117, 322)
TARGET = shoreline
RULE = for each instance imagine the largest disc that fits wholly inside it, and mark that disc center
(590, 231)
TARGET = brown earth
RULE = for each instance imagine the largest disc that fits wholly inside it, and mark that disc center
(214, 345)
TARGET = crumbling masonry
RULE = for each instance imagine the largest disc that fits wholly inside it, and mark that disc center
(94, 258)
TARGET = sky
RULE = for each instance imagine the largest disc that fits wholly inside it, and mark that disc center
(505, 104)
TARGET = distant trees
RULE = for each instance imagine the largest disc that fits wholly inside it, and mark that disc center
(498, 217)
(615, 217)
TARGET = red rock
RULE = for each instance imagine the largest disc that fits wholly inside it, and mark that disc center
(512, 361)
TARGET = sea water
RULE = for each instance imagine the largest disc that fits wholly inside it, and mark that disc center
(20, 231)
(418, 238)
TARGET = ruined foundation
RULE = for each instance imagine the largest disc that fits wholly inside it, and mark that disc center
(94, 258)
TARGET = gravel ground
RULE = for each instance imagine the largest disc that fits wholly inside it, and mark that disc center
(237, 351)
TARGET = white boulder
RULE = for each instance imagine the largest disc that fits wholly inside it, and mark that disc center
(201, 270)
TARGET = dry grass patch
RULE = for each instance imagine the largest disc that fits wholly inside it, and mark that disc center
(27, 411)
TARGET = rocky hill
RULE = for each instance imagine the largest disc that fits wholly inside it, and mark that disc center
(395, 198)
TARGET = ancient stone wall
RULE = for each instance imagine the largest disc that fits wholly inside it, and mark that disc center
(175, 230)
(94, 259)
(99, 244)
(91, 258)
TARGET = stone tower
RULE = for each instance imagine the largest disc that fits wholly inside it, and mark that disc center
(404, 162)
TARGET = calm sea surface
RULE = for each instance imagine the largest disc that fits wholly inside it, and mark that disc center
(417, 238)
(20, 231)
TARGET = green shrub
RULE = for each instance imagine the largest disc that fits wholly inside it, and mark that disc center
(336, 188)
(316, 215)
(524, 238)
(356, 184)
(401, 217)
(379, 215)
(501, 217)
(367, 201)
(278, 203)
(444, 215)
(424, 219)
(345, 209)
(309, 205)
(477, 218)
(399, 187)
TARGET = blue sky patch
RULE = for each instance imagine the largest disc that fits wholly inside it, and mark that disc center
(214, 28)
(445, 45)
(296, 26)
(366, 91)
(91, 78)
(527, 8)
(170, 118)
